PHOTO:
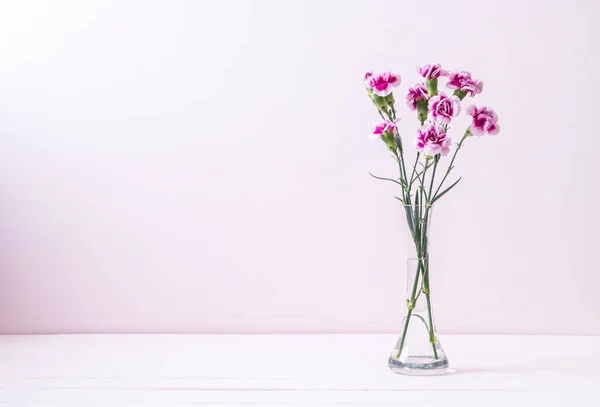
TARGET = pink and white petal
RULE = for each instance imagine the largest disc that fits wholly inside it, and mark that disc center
(435, 99)
(456, 103)
(394, 80)
(477, 131)
(432, 149)
(382, 93)
(472, 110)
(379, 128)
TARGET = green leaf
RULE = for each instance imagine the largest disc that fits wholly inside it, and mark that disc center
(417, 217)
(388, 179)
(441, 194)
(422, 319)
(409, 218)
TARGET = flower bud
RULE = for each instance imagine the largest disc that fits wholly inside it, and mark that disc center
(422, 110)
(432, 86)
(390, 99)
(461, 94)
(379, 101)
(388, 139)
(398, 141)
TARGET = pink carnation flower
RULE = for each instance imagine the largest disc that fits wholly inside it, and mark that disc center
(443, 108)
(431, 71)
(382, 83)
(485, 120)
(432, 140)
(415, 94)
(382, 127)
(465, 83)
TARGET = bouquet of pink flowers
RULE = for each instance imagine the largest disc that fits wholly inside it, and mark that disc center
(419, 187)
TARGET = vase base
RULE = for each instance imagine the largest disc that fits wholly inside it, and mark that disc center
(419, 365)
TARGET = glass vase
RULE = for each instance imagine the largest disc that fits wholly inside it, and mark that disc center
(418, 350)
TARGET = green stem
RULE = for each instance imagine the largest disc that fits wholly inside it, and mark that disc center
(432, 338)
(405, 194)
(418, 295)
(421, 179)
(414, 171)
(458, 147)
(401, 156)
(435, 164)
(410, 308)
(406, 190)
(414, 219)
(425, 256)
(418, 227)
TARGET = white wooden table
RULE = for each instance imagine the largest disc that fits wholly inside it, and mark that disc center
(231, 370)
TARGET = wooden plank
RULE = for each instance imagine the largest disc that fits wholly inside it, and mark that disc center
(63, 369)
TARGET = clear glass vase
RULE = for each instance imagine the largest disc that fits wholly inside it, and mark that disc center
(418, 350)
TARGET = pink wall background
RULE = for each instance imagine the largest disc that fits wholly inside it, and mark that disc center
(202, 166)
